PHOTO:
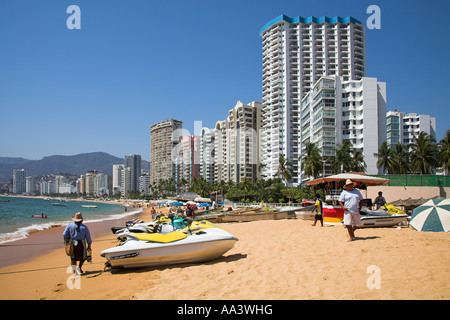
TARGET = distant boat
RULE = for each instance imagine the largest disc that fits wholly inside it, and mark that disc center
(58, 204)
(88, 206)
(4, 200)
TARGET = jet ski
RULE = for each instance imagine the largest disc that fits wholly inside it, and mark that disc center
(162, 224)
(381, 218)
(200, 241)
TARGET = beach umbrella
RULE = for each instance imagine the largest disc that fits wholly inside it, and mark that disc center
(176, 203)
(433, 215)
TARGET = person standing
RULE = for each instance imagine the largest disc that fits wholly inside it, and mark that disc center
(350, 202)
(380, 200)
(319, 213)
(81, 237)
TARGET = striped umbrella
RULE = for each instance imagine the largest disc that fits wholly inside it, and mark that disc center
(433, 215)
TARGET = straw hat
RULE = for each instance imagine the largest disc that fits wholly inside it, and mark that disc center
(347, 182)
(78, 217)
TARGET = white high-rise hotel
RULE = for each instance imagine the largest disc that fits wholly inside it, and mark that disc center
(297, 52)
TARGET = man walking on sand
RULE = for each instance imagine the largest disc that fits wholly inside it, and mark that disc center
(350, 201)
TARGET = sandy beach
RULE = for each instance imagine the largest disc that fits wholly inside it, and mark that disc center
(276, 259)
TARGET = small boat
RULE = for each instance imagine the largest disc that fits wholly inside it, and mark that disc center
(199, 242)
(88, 206)
(4, 200)
(381, 218)
(59, 204)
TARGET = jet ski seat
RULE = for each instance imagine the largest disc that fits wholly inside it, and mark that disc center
(161, 237)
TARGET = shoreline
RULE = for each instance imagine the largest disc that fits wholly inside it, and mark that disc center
(40, 242)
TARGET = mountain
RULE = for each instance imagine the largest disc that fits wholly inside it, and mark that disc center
(77, 164)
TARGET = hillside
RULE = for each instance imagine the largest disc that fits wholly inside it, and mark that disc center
(77, 164)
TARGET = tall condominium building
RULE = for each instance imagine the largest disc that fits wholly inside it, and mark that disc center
(296, 53)
(134, 162)
(165, 137)
(404, 128)
(30, 185)
(207, 153)
(117, 178)
(236, 140)
(19, 181)
(189, 160)
(336, 110)
(90, 182)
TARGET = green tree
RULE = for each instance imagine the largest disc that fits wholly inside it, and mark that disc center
(284, 169)
(424, 153)
(341, 162)
(400, 159)
(384, 156)
(444, 152)
(311, 161)
(357, 162)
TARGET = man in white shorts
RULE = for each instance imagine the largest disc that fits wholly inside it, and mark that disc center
(350, 201)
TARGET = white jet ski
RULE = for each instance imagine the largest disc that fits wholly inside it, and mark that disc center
(381, 218)
(199, 242)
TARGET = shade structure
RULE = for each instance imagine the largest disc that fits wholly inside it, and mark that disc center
(433, 215)
(176, 203)
(368, 180)
(200, 199)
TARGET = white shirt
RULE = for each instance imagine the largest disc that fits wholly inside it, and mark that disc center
(350, 199)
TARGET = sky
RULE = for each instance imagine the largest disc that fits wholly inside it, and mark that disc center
(138, 62)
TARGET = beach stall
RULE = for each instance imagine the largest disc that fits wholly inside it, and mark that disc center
(433, 215)
(333, 214)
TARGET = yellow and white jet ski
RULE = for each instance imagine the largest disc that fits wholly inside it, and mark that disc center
(199, 242)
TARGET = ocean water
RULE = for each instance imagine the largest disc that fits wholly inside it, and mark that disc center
(16, 221)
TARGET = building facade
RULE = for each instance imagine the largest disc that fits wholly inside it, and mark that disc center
(336, 110)
(296, 53)
(165, 137)
(134, 162)
(19, 181)
(207, 154)
(404, 128)
(237, 143)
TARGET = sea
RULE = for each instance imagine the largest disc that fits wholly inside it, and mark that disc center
(17, 221)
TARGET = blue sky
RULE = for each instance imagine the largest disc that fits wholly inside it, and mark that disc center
(134, 63)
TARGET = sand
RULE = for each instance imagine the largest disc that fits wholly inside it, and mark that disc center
(276, 259)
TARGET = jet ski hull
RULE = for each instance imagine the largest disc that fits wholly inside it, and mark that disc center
(198, 247)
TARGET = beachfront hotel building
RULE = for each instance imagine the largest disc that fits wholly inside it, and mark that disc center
(165, 137)
(336, 110)
(236, 144)
(189, 160)
(207, 154)
(134, 163)
(297, 52)
(19, 181)
(401, 127)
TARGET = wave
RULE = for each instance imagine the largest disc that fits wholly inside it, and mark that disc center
(24, 232)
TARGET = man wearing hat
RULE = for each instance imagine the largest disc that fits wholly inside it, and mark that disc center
(79, 234)
(350, 201)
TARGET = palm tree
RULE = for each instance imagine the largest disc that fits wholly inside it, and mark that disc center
(311, 161)
(424, 153)
(444, 152)
(342, 161)
(357, 163)
(400, 159)
(284, 169)
(384, 156)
